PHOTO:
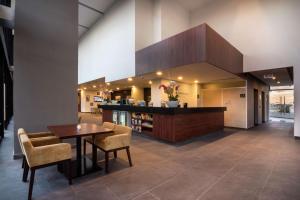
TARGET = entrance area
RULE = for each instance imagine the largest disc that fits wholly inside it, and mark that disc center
(282, 103)
(276, 101)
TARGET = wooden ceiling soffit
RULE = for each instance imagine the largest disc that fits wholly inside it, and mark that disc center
(200, 44)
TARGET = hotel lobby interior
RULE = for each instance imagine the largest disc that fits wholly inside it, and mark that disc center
(150, 99)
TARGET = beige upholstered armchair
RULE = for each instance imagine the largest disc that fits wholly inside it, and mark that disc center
(42, 156)
(38, 139)
(113, 142)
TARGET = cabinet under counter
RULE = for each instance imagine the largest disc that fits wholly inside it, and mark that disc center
(172, 124)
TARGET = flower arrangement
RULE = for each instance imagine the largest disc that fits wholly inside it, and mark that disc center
(171, 90)
(106, 95)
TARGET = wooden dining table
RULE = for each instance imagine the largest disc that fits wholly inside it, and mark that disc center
(79, 131)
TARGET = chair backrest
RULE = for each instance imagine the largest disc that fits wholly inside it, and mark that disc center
(26, 146)
(119, 129)
(20, 132)
(109, 125)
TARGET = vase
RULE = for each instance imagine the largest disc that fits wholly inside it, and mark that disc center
(172, 104)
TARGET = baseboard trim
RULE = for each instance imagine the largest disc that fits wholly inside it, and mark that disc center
(297, 137)
(238, 128)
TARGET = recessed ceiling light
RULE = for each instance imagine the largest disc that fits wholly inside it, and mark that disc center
(179, 78)
(107, 83)
(118, 88)
(129, 79)
(159, 73)
(84, 88)
(278, 82)
(274, 78)
(94, 86)
(150, 82)
(196, 81)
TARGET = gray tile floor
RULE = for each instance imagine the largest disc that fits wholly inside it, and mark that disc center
(261, 163)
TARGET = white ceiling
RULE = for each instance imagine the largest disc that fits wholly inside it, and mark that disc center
(89, 11)
(193, 4)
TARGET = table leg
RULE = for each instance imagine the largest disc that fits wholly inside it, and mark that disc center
(78, 155)
(94, 159)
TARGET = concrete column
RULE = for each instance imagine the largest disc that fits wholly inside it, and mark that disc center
(46, 65)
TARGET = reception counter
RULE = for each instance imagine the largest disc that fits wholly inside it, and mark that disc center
(169, 124)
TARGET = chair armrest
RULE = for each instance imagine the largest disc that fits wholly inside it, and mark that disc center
(42, 141)
(49, 154)
(39, 134)
(114, 141)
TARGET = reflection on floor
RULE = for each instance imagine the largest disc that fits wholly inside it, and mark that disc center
(274, 119)
(261, 163)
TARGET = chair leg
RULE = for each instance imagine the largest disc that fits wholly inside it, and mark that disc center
(23, 162)
(25, 171)
(31, 183)
(106, 161)
(129, 157)
(69, 162)
(115, 154)
(84, 147)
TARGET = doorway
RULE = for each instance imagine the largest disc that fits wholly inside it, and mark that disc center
(79, 101)
(255, 107)
(282, 103)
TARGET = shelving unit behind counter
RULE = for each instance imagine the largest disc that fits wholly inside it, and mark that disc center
(142, 122)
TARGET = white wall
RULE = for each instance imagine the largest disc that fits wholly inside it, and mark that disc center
(159, 19)
(108, 49)
(144, 23)
(85, 105)
(156, 20)
(271, 26)
(236, 114)
(187, 93)
(174, 18)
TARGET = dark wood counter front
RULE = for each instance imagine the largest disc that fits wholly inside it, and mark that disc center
(175, 124)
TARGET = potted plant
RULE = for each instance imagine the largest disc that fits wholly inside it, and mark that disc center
(172, 91)
(105, 95)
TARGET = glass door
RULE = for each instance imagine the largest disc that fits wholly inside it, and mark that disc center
(282, 103)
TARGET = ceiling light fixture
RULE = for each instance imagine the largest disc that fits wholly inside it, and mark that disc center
(159, 73)
(196, 81)
(278, 82)
(129, 79)
(268, 76)
(274, 78)
(179, 77)
(84, 88)
(118, 88)
(94, 86)
(150, 82)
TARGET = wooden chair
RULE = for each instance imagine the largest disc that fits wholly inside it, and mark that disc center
(43, 156)
(118, 140)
